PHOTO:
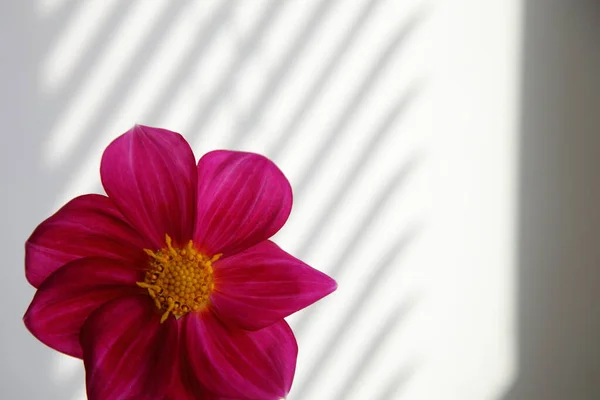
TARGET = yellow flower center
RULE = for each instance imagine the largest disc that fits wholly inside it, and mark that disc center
(179, 279)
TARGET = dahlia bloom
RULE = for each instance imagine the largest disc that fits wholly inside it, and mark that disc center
(169, 288)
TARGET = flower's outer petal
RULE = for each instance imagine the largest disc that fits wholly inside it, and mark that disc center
(186, 387)
(150, 174)
(127, 352)
(68, 296)
(243, 199)
(261, 285)
(239, 364)
(87, 226)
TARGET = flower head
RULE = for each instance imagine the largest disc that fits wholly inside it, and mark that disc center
(169, 288)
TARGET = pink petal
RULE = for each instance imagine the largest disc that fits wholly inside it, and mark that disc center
(243, 199)
(261, 285)
(127, 353)
(150, 175)
(238, 364)
(185, 386)
(87, 226)
(67, 297)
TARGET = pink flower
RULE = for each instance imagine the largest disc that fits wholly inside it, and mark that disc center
(169, 287)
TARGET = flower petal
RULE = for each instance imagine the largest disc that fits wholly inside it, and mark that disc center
(259, 286)
(150, 174)
(243, 199)
(127, 353)
(186, 387)
(238, 364)
(87, 226)
(67, 297)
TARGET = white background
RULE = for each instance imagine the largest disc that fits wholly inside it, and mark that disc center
(395, 121)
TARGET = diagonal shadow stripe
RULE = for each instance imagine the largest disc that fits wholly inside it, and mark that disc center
(320, 83)
(90, 55)
(53, 104)
(51, 26)
(376, 344)
(283, 69)
(358, 165)
(365, 87)
(177, 80)
(395, 385)
(358, 306)
(124, 82)
(220, 93)
(189, 61)
(54, 8)
(353, 245)
(377, 206)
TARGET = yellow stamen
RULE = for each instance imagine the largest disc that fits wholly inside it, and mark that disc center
(154, 288)
(179, 280)
(170, 308)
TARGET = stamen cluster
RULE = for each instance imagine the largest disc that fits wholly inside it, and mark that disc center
(179, 279)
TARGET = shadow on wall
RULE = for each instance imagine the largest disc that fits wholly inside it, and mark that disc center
(381, 272)
(30, 189)
(559, 256)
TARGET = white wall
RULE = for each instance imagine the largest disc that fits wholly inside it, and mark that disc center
(395, 122)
